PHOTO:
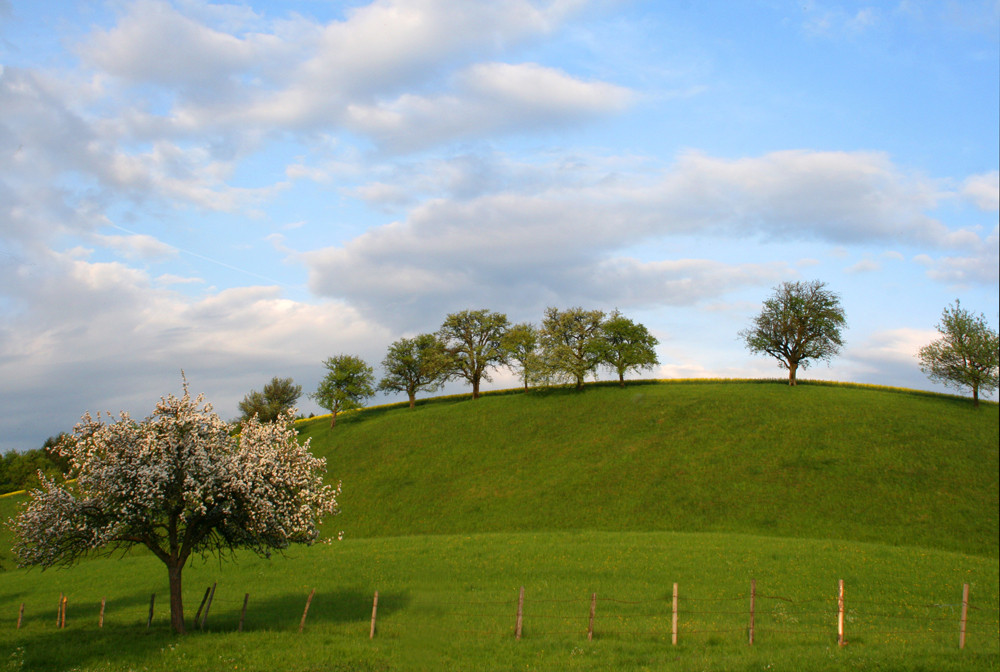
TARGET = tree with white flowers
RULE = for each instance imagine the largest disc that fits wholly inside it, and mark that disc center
(178, 482)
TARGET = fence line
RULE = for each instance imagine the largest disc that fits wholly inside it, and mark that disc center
(678, 615)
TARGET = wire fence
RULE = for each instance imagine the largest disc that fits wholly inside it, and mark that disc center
(752, 617)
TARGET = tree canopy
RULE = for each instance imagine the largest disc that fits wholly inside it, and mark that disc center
(415, 364)
(278, 396)
(348, 382)
(800, 322)
(474, 342)
(178, 482)
(626, 346)
(966, 355)
(521, 345)
(570, 342)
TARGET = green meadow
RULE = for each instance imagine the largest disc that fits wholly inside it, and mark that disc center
(450, 508)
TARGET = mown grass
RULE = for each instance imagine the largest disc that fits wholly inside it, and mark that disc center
(813, 461)
(450, 507)
(449, 603)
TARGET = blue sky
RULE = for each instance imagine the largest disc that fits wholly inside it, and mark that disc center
(242, 190)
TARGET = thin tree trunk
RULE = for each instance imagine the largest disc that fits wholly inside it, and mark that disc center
(475, 388)
(176, 603)
(975, 396)
(413, 400)
(792, 368)
(621, 379)
(333, 419)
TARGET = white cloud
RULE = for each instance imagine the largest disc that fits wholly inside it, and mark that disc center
(983, 190)
(136, 246)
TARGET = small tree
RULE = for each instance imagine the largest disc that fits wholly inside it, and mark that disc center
(521, 346)
(571, 346)
(415, 364)
(627, 346)
(278, 396)
(966, 355)
(473, 339)
(178, 483)
(348, 382)
(801, 322)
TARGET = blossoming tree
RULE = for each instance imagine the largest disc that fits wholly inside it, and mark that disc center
(178, 482)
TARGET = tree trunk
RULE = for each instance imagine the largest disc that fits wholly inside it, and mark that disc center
(621, 379)
(792, 368)
(413, 400)
(475, 388)
(176, 603)
(333, 419)
(975, 396)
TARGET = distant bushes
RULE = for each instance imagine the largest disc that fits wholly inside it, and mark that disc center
(19, 471)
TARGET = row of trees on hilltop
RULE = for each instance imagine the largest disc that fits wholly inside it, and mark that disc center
(568, 346)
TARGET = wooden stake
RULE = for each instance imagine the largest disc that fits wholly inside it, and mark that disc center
(20, 615)
(243, 614)
(753, 599)
(840, 613)
(673, 636)
(62, 613)
(965, 612)
(100, 619)
(59, 608)
(593, 610)
(208, 605)
(371, 634)
(520, 615)
(306, 611)
(197, 616)
(152, 601)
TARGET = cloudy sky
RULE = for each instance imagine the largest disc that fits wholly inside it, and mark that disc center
(242, 190)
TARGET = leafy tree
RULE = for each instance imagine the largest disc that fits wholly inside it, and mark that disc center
(627, 346)
(520, 343)
(19, 471)
(348, 382)
(571, 343)
(178, 482)
(966, 355)
(278, 396)
(801, 321)
(473, 339)
(415, 364)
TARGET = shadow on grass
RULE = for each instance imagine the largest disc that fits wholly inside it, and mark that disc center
(125, 640)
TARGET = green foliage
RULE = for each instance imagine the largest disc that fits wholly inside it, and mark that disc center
(279, 396)
(802, 321)
(473, 340)
(19, 471)
(967, 355)
(571, 344)
(520, 343)
(348, 382)
(626, 346)
(415, 364)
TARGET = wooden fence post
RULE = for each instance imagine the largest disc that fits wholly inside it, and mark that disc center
(152, 601)
(302, 624)
(243, 614)
(673, 636)
(59, 608)
(840, 613)
(371, 634)
(593, 610)
(62, 612)
(100, 619)
(965, 613)
(208, 605)
(753, 600)
(520, 615)
(20, 615)
(197, 616)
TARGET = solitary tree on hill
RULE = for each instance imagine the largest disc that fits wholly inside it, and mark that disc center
(800, 322)
(348, 382)
(473, 339)
(178, 482)
(967, 353)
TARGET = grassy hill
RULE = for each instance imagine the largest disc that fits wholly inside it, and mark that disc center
(818, 461)
(449, 507)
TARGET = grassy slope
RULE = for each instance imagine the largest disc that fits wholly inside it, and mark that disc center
(732, 462)
(816, 461)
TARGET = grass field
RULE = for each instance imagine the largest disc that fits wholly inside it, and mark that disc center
(450, 508)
